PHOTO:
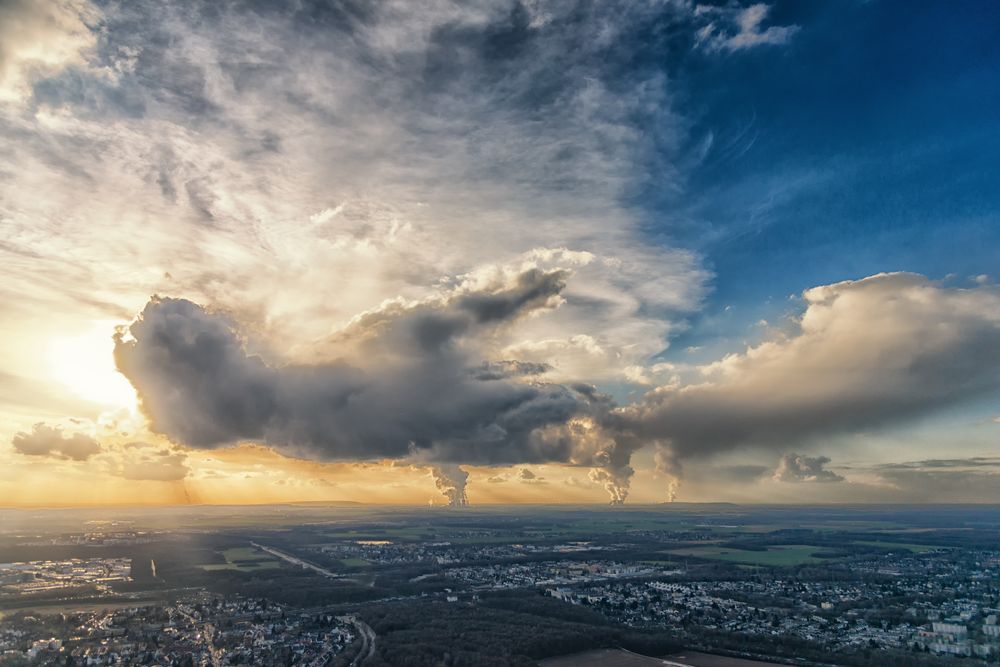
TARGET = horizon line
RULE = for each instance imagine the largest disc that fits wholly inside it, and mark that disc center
(661, 505)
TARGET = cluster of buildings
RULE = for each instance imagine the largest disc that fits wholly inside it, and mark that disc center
(708, 606)
(546, 573)
(386, 552)
(957, 636)
(45, 575)
(200, 631)
(98, 538)
(952, 612)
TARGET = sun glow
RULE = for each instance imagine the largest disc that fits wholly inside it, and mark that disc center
(85, 365)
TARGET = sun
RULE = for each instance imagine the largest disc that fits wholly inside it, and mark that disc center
(84, 364)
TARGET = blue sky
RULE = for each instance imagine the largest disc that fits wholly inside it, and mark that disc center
(867, 143)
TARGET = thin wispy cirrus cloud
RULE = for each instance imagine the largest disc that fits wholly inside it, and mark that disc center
(39, 40)
(290, 159)
(732, 28)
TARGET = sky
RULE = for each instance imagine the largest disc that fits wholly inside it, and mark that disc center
(499, 252)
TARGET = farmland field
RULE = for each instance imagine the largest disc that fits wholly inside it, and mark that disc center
(782, 555)
(244, 559)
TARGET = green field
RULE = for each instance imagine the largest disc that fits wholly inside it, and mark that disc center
(354, 562)
(391, 533)
(782, 555)
(244, 559)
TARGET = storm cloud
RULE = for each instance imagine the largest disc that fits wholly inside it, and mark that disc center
(413, 389)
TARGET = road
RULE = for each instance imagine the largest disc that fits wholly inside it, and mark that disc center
(295, 560)
(367, 640)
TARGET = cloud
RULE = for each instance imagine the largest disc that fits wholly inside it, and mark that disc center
(942, 485)
(296, 165)
(47, 440)
(578, 483)
(393, 151)
(500, 370)
(526, 476)
(414, 388)
(801, 468)
(39, 39)
(143, 461)
(970, 462)
(864, 354)
(968, 479)
(736, 28)
(269, 149)
(735, 473)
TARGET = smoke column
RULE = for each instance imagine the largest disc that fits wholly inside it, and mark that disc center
(667, 465)
(450, 480)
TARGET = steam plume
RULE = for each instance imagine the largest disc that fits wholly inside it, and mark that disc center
(450, 480)
(614, 472)
(668, 467)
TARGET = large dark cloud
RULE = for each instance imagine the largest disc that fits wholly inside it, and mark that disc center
(868, 353)
(413, 389)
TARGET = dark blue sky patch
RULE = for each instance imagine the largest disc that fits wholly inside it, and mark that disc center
(867, 143)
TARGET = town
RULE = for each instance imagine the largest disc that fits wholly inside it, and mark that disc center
(200, 631)
(909, 588)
